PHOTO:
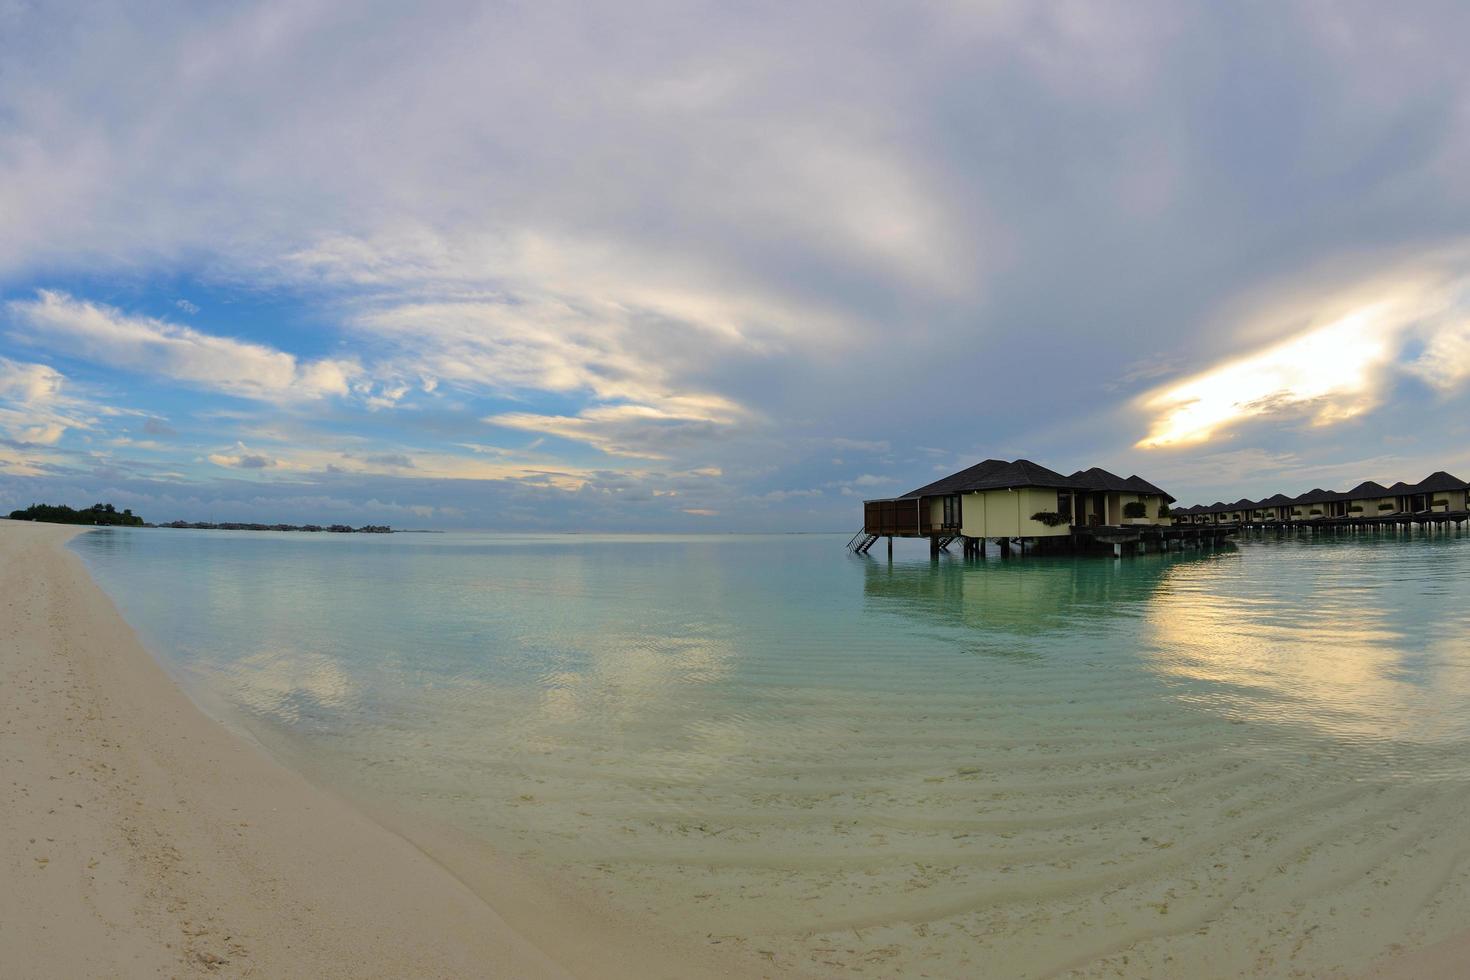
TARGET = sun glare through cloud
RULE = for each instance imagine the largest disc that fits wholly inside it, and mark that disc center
(1328, 373)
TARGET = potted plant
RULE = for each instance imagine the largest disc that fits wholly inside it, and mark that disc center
(1441, 504)
(1355, 508)
(1383, 507)
(1050, 518)
(1316, 512)
(1135, 512)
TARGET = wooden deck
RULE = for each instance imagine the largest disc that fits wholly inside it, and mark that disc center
(1116, 540)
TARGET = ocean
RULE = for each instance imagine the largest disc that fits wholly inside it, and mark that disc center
(1249, 759)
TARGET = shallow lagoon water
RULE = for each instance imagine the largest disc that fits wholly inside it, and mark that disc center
(1255, 759)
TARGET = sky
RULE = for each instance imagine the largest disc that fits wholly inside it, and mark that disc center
(705, 266)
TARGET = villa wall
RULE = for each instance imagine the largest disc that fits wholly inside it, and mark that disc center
(1456, 498)
(1370, 507)
(1151, 502)
(1007, 513)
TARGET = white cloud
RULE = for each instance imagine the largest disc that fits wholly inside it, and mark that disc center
(147, 345)
(33, 408)
(242, 458)
(631, 430)
(1345, 344)
(29, 384)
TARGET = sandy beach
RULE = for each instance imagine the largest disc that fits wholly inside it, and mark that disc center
(141, 838)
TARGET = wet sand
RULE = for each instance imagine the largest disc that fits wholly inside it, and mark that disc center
(140, 838)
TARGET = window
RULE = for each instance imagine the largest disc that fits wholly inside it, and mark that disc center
(951, 511)
(1064, 504)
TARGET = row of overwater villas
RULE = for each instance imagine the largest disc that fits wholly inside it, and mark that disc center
(1438, 493)
(1018, 499)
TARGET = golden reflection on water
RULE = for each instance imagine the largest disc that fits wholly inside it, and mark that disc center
(1295, 644)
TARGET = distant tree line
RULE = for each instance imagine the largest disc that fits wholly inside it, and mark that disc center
(236, 526)
(61, 514)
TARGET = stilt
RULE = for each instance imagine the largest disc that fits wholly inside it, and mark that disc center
(934, 546)
(890, 547)
(1005, 547)
(982, 547)
(1117, 549)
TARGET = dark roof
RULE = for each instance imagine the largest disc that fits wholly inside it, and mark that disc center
(1243, 504)
(1279, 500)
(996, 474)
(1317, 496)
(1401, 487)
(1139, 484)
(1438, 482)
(1367, 489)
(1098, 478)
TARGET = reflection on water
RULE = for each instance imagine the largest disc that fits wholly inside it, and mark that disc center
(1249, 760)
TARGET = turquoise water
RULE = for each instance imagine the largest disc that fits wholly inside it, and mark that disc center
(1245, 760)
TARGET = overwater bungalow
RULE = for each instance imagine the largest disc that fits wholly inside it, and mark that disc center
(1437, 493)
(1276, 507)
(1242, 510)
(1368, 499)
(1017, 501)
(1312, 505)
(1439, 497)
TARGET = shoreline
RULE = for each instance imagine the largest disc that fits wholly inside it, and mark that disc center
(141, 837)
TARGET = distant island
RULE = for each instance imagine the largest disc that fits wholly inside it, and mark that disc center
(330, 528)
(99, 514)
(106, 515)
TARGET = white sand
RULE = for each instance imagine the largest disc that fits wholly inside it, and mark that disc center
(141, 838)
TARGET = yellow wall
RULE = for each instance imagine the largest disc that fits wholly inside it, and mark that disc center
(1007, 513)
(1370, 507)
(1455, 498)
(1151, 502)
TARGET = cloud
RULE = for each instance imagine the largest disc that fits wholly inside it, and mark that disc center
(784, 495)
(147, 345)
(398, 461)
(241, 458)
(863, 445)
(641, 431)
(34, 410)
(738, 241)
(1345, 346)
(29, 384)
